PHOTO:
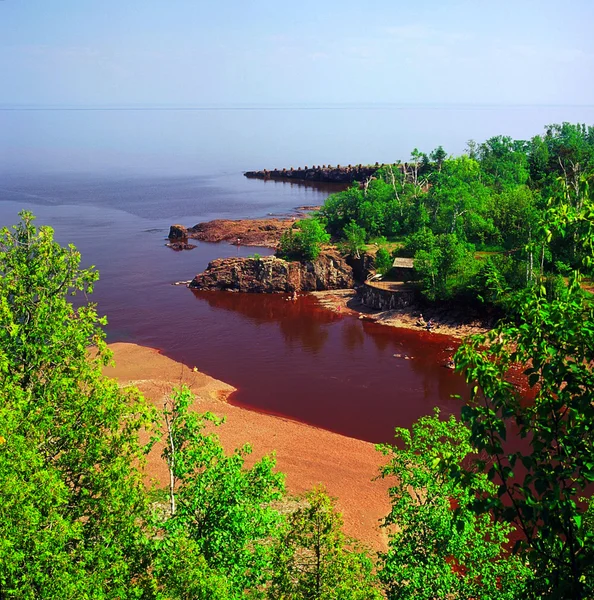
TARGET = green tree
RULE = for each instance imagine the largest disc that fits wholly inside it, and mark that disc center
(355, 237)
(540, 481)
(458, 200)
(444, 264)
(315, 561)
(438, 546)
(218, 507)
(342, 208)
(304, 241)
(438, 156)
(504, 161)
(74, 510)
(383, 261)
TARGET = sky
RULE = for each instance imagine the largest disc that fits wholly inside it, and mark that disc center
(263, 53)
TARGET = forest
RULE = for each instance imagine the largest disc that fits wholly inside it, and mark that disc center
(495, 504)
(475, 224)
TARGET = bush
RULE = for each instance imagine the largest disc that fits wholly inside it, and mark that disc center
(383, 261)
(304, 241)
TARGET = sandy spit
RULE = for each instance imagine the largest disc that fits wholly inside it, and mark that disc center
(307, 455)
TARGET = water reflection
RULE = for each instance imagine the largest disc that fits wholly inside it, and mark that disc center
(297, 329)
(337, 372)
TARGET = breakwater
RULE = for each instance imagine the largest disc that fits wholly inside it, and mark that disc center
(322, 173)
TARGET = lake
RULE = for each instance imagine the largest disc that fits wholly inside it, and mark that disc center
(112, 181)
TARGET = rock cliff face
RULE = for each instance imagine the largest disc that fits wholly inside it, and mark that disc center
(270, 274)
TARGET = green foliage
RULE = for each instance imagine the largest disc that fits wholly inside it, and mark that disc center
(304, 241)
(539, 483)
(355, 237)
(315, 560)
(444, 264)
(439, 547)
(383, 261)
(73, 503)
(493, 195)
(219, 508)
(504, 161)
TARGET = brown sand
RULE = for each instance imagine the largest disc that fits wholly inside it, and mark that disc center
(307, 455)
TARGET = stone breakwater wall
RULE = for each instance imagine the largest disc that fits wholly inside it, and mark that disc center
(323, 173)
(270, 274)
(386, 298)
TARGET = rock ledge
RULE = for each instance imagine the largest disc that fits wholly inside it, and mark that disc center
(270, 274)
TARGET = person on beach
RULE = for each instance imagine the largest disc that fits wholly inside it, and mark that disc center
(420, 321)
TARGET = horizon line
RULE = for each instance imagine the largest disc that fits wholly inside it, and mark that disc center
(298, 106)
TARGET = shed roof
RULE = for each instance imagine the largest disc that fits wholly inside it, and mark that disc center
(403, 263)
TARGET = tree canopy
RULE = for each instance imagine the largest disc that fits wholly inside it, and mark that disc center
(77, 520)
(492, 198)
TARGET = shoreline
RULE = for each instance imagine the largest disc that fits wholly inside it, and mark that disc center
(449, 324)
(308, 455)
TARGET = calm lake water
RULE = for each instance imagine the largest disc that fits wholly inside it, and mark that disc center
(112, 182)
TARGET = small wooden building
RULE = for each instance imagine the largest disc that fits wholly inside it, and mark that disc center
(402, 269)
(402, 263)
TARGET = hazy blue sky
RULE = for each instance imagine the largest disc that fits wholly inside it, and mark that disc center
(229, 52)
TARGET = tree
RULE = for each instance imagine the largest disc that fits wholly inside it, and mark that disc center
(74, 509)
(438, 546)
(315, 560)
(444, 264)
(383, 261)
(220, 510)
(504, 161)
(458, 200)
(438, 156)
(304, 241)
(342, 208)
(355, 237)
(541, 480)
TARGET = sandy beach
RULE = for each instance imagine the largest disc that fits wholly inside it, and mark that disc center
(307, 455)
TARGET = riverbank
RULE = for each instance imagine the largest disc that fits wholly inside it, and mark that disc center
(307, 455)
(450, 322)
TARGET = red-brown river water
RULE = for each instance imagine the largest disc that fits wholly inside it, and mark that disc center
(113, 181)
(294, 359)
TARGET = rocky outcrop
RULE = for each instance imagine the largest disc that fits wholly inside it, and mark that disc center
(270, 275)
(178, 238)
(182, 244)
(362, 267)
(245, 232)
(178, 232)
(325, 173)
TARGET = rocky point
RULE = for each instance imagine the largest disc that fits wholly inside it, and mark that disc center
(270, 274)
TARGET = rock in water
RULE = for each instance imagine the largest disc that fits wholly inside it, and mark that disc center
(270, 274)
(178, 232)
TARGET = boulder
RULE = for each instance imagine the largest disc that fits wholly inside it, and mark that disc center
(178, 232)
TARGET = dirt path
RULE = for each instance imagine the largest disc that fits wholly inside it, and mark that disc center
(306, 455)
